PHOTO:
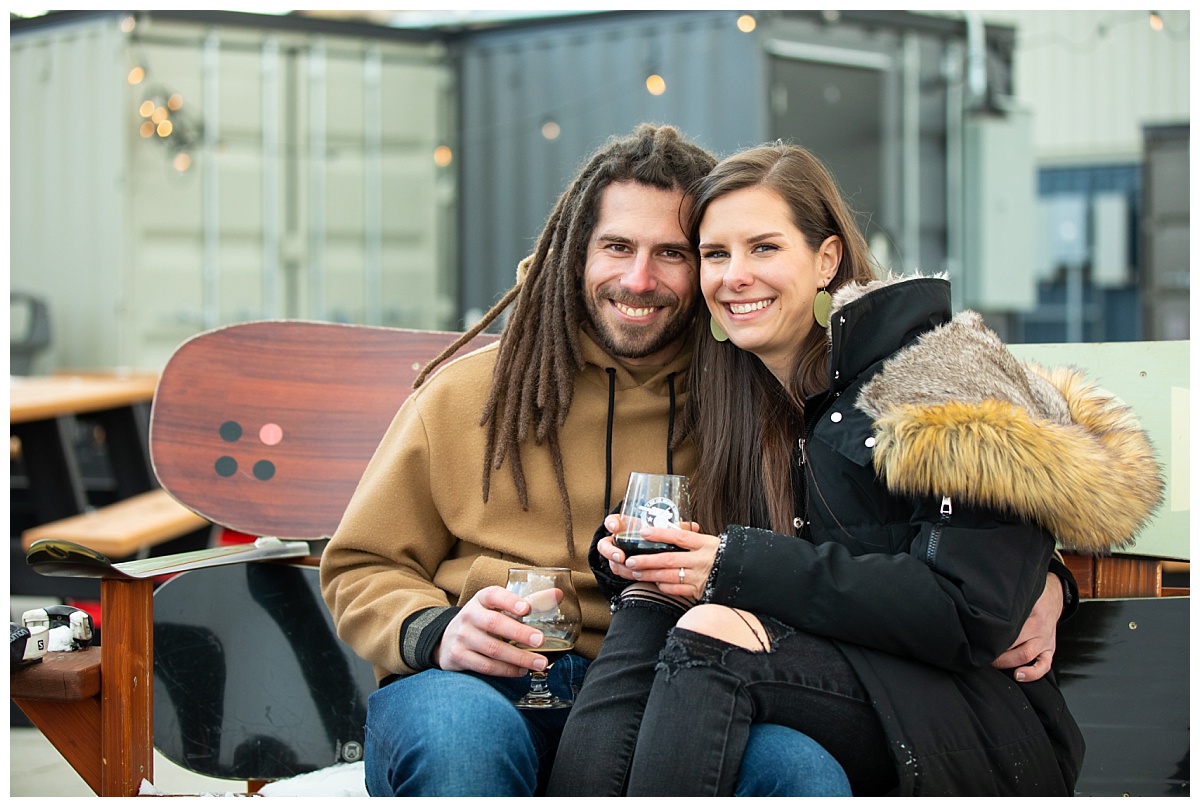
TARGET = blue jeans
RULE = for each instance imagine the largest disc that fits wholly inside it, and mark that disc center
(441, 733)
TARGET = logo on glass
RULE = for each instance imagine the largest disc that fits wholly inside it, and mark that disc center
(661, 512)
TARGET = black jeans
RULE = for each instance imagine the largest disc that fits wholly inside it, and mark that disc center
(668, 711)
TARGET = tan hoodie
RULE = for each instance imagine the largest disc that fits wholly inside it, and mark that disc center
(417, 537)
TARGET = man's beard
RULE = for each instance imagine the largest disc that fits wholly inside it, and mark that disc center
(632, 341)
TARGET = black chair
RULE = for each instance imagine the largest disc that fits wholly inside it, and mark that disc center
(29, 331)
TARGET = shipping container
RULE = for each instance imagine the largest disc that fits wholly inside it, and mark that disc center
(178, 171)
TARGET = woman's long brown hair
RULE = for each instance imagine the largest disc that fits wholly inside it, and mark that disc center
(743, 420)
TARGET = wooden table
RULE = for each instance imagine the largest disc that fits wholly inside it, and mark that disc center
(40, 397)
(42, 410)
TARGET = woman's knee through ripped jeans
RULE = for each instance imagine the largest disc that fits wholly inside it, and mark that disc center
(707, 692)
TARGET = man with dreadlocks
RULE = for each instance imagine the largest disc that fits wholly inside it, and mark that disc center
(581, 389)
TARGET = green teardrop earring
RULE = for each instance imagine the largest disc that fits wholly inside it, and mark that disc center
(718, 333)
(822, 305)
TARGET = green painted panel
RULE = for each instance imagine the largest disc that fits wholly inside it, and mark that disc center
(1153, 379)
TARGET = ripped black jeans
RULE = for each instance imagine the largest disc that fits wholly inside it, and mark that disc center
(673, 718)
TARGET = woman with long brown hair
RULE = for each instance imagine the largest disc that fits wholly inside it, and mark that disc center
(894, 484)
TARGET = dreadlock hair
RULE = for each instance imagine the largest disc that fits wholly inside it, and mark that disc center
(745, 421)
(539, 355)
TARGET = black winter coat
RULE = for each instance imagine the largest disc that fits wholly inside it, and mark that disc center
(917, 550)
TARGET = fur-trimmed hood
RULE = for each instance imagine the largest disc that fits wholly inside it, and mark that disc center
(956, 414)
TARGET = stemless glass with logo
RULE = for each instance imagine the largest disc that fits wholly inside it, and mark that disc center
(652, 500)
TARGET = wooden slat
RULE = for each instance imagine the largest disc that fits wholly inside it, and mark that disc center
(1113, 576)
(127, 686)
(1121, 576)
(124, 527)
(1083, 569)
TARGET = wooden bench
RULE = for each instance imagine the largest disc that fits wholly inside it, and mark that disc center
(123, 528)
(331, 391)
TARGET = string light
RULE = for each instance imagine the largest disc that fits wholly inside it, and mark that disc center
(136, 75)
(162, 114)
(442, 156)
(1156, 21)
(656, 84)
(551, 130)
(746, 23)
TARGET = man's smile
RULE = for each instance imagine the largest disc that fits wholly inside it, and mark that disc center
(635, 313)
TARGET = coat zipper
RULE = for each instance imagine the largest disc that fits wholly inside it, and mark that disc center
(798, 521)
(935, 535)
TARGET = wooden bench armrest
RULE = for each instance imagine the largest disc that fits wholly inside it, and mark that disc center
(58, 677)
(96, 705)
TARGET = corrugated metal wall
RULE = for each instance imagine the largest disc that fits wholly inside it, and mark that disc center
(312, 189)
(1095, 78)
(879, 95)
(536, 101)
(67, 187)
(1166, 231)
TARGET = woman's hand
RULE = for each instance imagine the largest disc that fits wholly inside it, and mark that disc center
(663, 568)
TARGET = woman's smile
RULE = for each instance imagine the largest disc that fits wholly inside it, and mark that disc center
(748, 308)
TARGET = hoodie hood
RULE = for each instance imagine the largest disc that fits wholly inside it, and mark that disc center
(654, 379)
(956, 414)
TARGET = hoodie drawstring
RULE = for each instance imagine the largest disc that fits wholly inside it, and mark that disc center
(671, 425)
(612, 398)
